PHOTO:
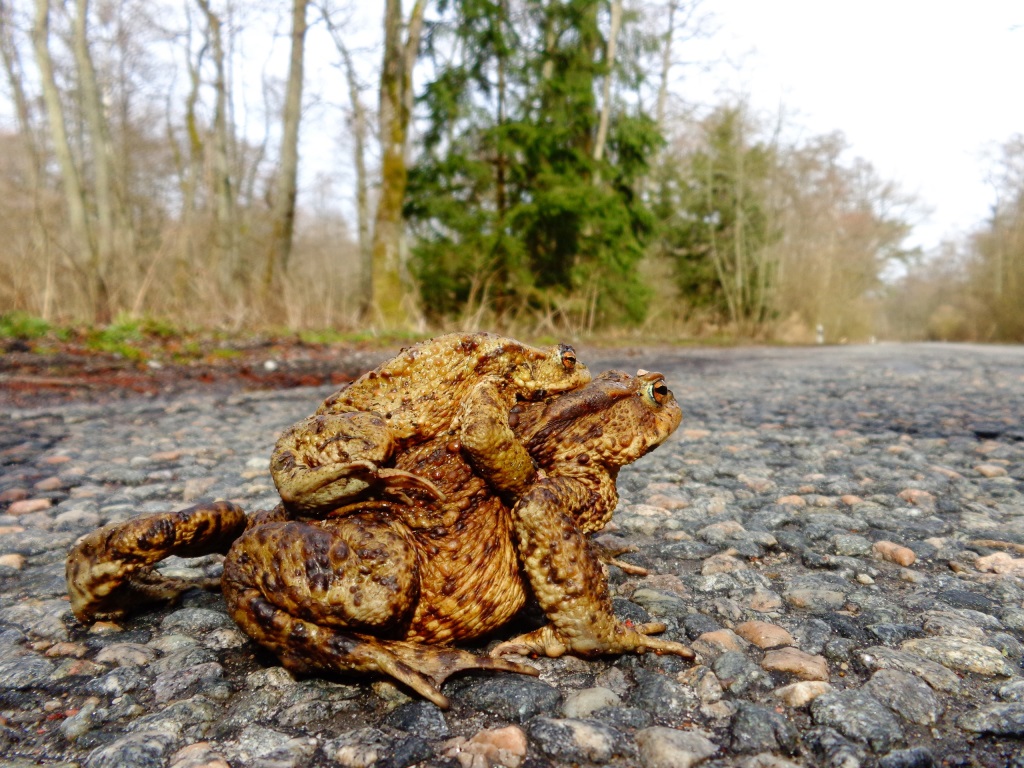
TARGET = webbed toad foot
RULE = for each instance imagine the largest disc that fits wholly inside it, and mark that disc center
(424, 668)
(548, 641)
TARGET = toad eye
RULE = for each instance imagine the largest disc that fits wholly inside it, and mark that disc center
(659, 392)
(568, 355)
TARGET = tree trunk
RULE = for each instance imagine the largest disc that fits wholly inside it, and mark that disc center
(391, 300)
(26, 133)
(606, 88)
(358, 126)
(110, 226)
(286, 185)
(227, 267)
(88, 261)
(666, 66)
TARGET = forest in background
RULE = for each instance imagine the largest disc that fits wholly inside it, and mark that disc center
(527, 165)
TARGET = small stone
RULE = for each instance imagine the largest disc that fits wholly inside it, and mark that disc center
(661, 695)
(575, 741)
(171, 685)
(850, 545)
(21, 672)
(936, 675)
(704, 682)
(764, 635)
(990, 470)
(722, 640)
(767, 760)
(816, 600)
(793, 661)
(81, 722)
(800, 694)
(494, 747)
(512, 697)
(13, 494)
(670, 748)
(764, 601)
(860, 716)
(77, 650)
(832, 749)
(420, 717)
(196, 487)
(1000, 562)
(895, 553)
(581, 704)
(52, 483)
(202, 754)
(792, 500)
(722, 563)
(759, 729)
(917, 497)
(28, 506)
(960, 654)
(850, 499)
(13, 561)
(146, 748)
(737, 673)
(907, 695)
(667, 502)
(915, 757)
(952, 623)
(1000, 719)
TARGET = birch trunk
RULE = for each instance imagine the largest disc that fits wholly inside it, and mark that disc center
(606, 88)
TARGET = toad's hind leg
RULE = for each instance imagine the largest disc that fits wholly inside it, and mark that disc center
(310, 592)
(110, 571)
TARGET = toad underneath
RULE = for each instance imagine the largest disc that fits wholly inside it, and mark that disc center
(383, 585)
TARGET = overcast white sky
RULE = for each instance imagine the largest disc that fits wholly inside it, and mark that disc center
(925, 91)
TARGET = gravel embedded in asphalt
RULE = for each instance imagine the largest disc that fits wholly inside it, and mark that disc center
(838, 532)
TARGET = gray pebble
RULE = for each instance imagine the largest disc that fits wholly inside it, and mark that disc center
(662, 696)
(859, 716)
(136, 750)
(24, 671)
(512, 697)
(668, 748)
(576, 740)
(999, 719)
(907, 695)
(759, 729)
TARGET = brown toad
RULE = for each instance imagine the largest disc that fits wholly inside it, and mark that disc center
(462, 383)
(382, 586)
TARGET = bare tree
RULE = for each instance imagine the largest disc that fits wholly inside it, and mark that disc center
(286, 184)
(227, 251)
(90, 261)
(32, 158)
(391, 298)
(359, 128)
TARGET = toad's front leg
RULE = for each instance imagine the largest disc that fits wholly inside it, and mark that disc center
(322, 595)
(110, 571)
(569, 582)
(327, 460)
(488, 441)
